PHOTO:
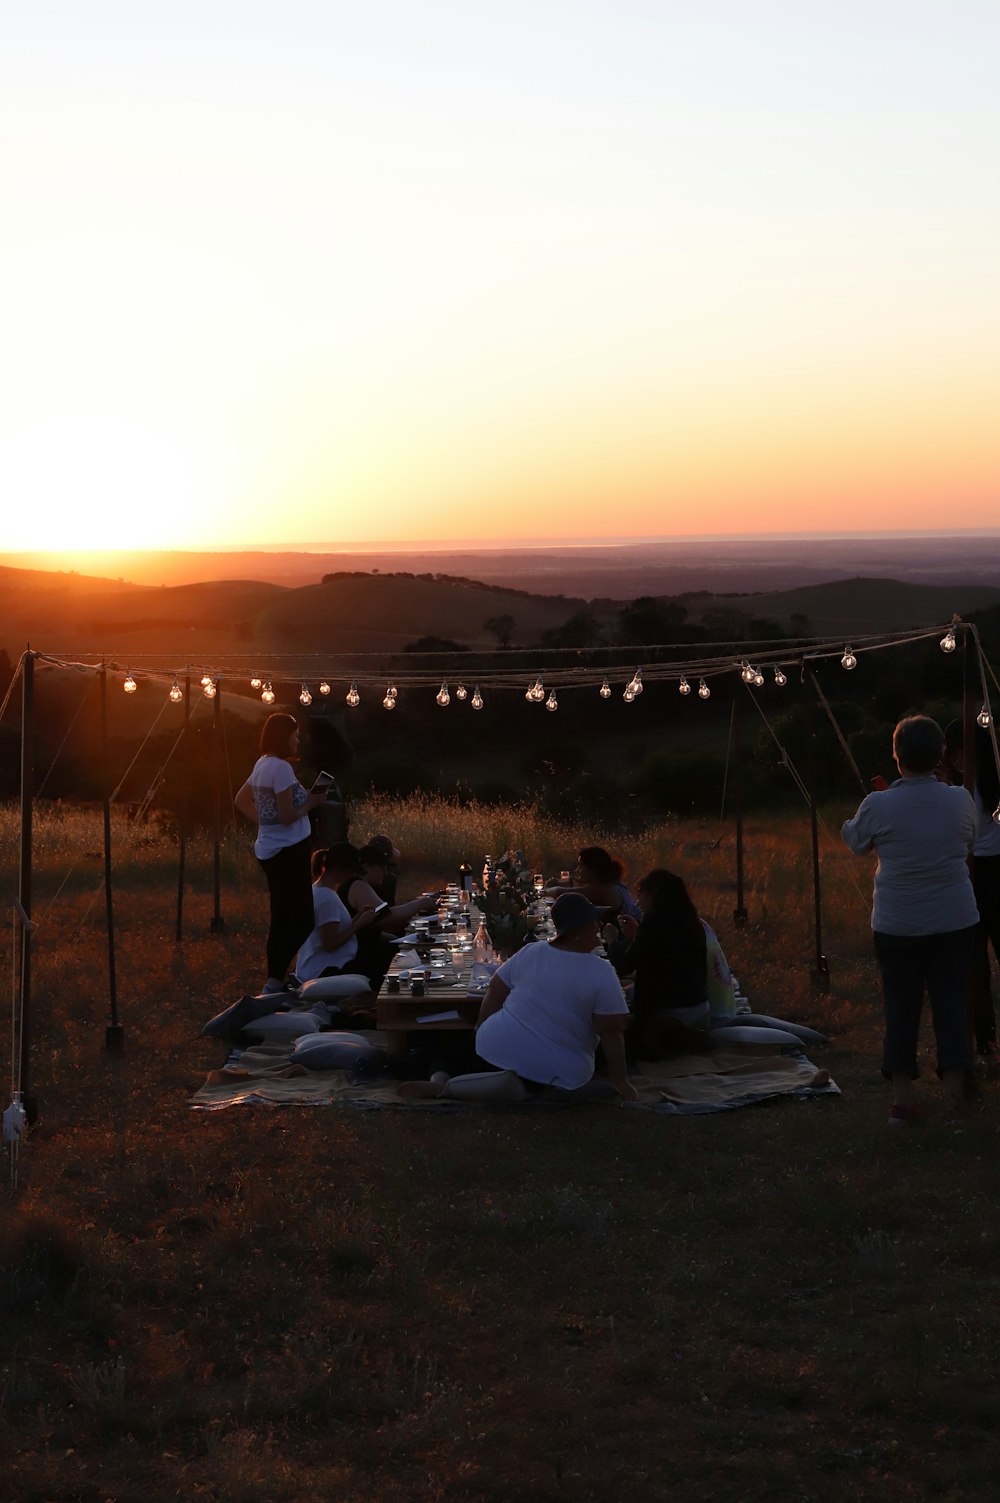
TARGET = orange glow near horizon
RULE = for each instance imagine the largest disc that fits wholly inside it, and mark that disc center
(647, 276)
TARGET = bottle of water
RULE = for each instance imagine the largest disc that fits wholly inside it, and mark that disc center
(483, 959)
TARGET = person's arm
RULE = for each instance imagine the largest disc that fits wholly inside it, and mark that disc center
(288, 811)
(244, 804)
(858, 833)
(334, 934)
(496, 994)
(396, 920)
(610, 1029)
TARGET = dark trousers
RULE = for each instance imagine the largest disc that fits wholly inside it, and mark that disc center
(289, 883)
(986, 886)
(909, 963)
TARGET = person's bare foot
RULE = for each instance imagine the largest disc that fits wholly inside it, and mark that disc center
(419, 1090)
(819, 1080)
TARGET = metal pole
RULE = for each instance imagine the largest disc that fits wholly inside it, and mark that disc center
(28, 1101)
(183, 821)
(113, 1034)
(970, 690)
(739, 912)
(821, 974)
(218, 923)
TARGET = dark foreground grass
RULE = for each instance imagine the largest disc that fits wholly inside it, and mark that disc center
(792, 1302)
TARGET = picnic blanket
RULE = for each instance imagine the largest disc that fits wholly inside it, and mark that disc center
(264, 1075)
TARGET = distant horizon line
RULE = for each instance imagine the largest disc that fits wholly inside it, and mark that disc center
(418, 545)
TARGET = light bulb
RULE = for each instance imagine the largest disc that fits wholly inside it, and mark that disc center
(130, 684)
(684, 687)
(176, 692)
(629, 694)
(779, 678)
(948, 642)
(305, 698)
(206, 679)
(324, 687)
(636, 685)
(758, 679)
(538, 692)
(747, 672)
(552, 703)
(848, 661)
(255, 682)
(352, 697)
(704, 692)
(267, 693)
(477, 699)
(605, 690)
(211, 689)
(461, 692)
(389, 703)
(983, 718)
(442, 696)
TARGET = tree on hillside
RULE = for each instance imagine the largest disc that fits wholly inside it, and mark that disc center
(435, 644)
(581, 630)
(647, 620)
(502, 627)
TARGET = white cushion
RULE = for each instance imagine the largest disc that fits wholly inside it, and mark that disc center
(335, 1051)
(741, 1033)
(282, 1025)
(329, 988)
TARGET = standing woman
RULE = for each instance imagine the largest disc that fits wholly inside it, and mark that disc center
(985, 868)
(273, 797)
(924, 913)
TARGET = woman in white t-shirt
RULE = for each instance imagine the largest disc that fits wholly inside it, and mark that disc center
(273, 797)
(333, 942)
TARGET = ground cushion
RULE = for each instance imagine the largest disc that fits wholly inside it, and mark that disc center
(335, 1051)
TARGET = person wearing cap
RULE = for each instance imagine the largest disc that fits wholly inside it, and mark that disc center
(549, 1006)
(359, 890)
(333, 943)
(387, 888)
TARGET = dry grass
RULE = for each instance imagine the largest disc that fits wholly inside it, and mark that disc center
(257, 1305)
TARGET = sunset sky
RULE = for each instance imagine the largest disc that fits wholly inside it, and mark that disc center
(327, 272)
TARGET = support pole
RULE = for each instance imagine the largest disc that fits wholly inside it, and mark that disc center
(183, 821)
(970, 692)
(739, 912)
(28, 1100)
(113, 1034)
(218, 923)
(821, 973)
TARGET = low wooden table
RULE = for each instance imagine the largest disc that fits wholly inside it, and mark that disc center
(398, 1014)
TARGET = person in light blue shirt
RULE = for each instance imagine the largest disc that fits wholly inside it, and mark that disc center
(924, 913)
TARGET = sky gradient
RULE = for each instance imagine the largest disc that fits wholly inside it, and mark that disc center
(316, 272)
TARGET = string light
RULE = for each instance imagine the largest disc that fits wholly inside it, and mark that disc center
(538, 692)
(255, 682)
(211, 689)
(983, 718)
(477, 699)
(780, 677)
(352, 697)
(389, 702)
(552, 703)
(176, 692)
(305, 697)
(684, 687)
(324, 687)
(206, 679)
(948, 643)
(747, 672)
(267, 693)
(636, 684)
(758, 679)
(130, 684)
(605, 690)
(848, 661)
(629, 694)
(461, 692)
(704, 692)
(442, 696)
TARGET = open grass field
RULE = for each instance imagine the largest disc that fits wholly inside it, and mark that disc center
(790, 1302)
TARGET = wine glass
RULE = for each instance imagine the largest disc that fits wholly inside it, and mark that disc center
(539, 880)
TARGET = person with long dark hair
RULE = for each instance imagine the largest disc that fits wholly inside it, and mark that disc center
(273, 797)
(601, 878)
(985, 869)
(667, 952)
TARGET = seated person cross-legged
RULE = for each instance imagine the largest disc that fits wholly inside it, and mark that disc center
(333, 943)
(544, 1013)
